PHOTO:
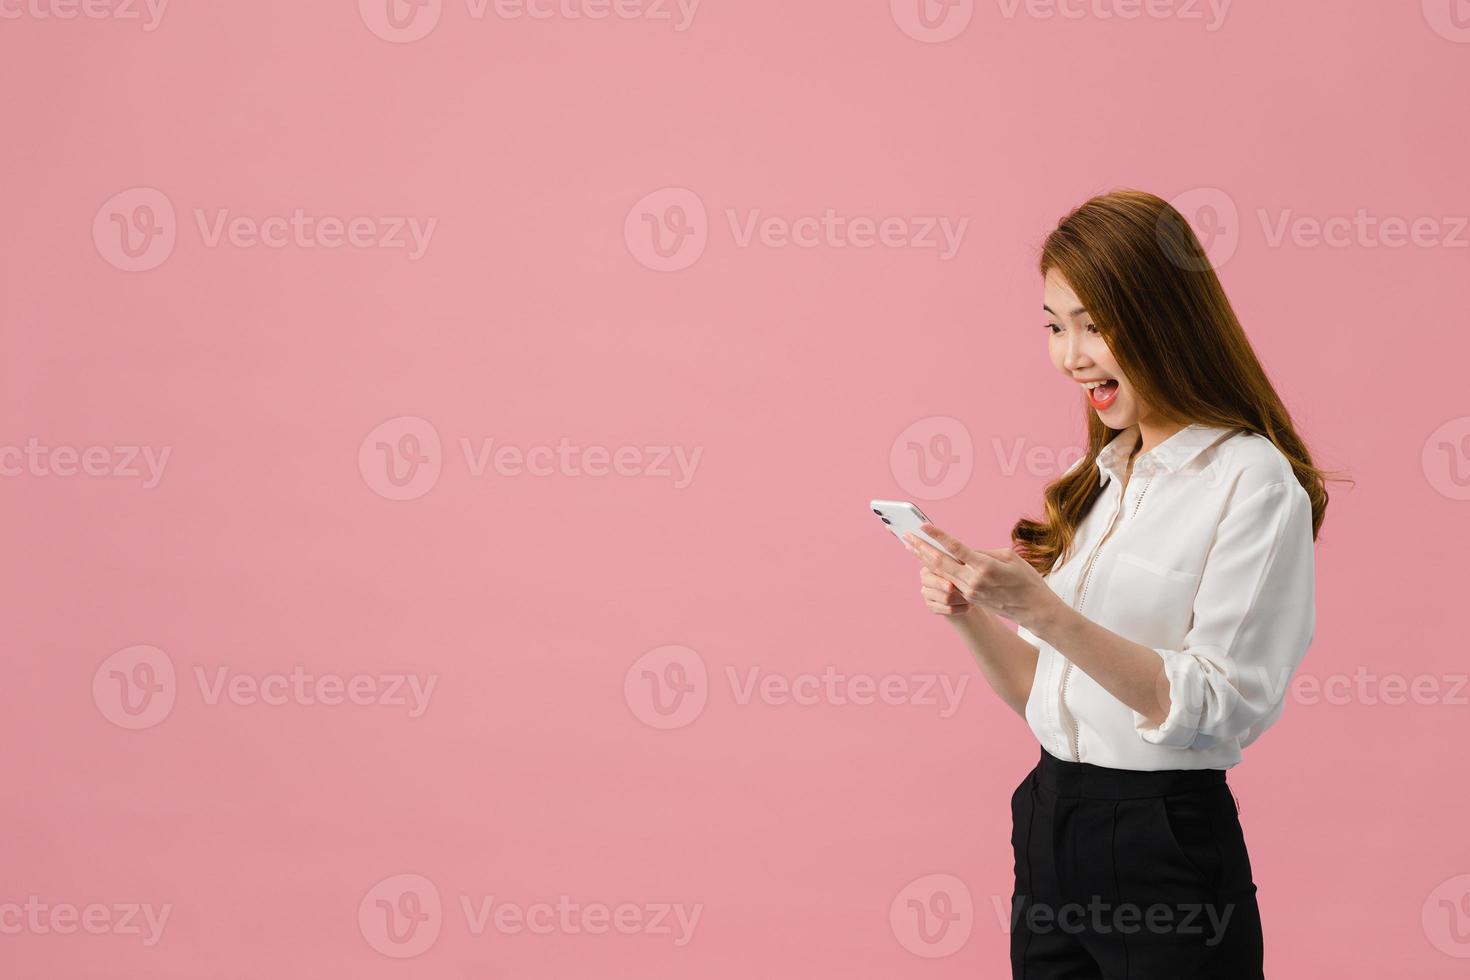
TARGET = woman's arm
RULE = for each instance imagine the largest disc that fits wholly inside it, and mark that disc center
(1253, 619)
(1007, 661)
(1130, 672)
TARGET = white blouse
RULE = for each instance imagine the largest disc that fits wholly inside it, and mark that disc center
(1207, 558)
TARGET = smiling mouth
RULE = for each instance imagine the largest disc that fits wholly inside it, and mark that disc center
(1102, 394)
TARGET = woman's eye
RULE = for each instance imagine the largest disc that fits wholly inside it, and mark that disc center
(1052, 327)
(1092, 327)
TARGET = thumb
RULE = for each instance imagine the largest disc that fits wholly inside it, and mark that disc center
(946, 540)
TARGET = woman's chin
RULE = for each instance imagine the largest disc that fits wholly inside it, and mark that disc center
(1116, 416)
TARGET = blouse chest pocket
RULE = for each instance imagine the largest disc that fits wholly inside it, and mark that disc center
(1150, 603)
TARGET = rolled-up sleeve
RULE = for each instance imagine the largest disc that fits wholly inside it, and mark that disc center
(1254, 617)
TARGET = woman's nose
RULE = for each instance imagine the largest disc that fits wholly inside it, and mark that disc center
(1075, 357)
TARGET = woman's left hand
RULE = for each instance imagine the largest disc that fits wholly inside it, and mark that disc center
(998, 580)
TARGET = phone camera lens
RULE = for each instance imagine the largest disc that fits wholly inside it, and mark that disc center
(887, 521)
(878, 512)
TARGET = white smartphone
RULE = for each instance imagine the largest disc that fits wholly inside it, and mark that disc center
(902, 517)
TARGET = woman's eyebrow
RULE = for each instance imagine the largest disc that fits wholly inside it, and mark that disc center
(1079, 310)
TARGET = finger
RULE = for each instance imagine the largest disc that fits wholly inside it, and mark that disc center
(935, 559)
(941, 585)
(951, 543)
(942, 590)
(932, 578)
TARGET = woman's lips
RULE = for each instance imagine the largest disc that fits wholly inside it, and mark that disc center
(1103, 395)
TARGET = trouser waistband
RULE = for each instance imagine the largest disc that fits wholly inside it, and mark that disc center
(1082, 779)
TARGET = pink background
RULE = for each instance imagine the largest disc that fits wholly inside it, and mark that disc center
(540, 767)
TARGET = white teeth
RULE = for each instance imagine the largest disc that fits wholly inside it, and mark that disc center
(1094, 384)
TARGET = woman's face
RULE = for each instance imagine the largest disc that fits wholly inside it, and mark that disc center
(1078, 350)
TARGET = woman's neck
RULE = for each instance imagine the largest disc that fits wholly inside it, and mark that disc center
(1151, 433)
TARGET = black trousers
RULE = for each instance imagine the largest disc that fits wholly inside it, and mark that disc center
(1129, 875)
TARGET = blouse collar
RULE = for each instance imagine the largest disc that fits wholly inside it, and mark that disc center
(1170, 455)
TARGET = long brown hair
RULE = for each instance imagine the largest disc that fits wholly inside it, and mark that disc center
(1143, 276)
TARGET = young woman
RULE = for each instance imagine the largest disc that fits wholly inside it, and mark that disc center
(1162, 604)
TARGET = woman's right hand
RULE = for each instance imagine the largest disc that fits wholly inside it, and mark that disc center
(940, 594)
